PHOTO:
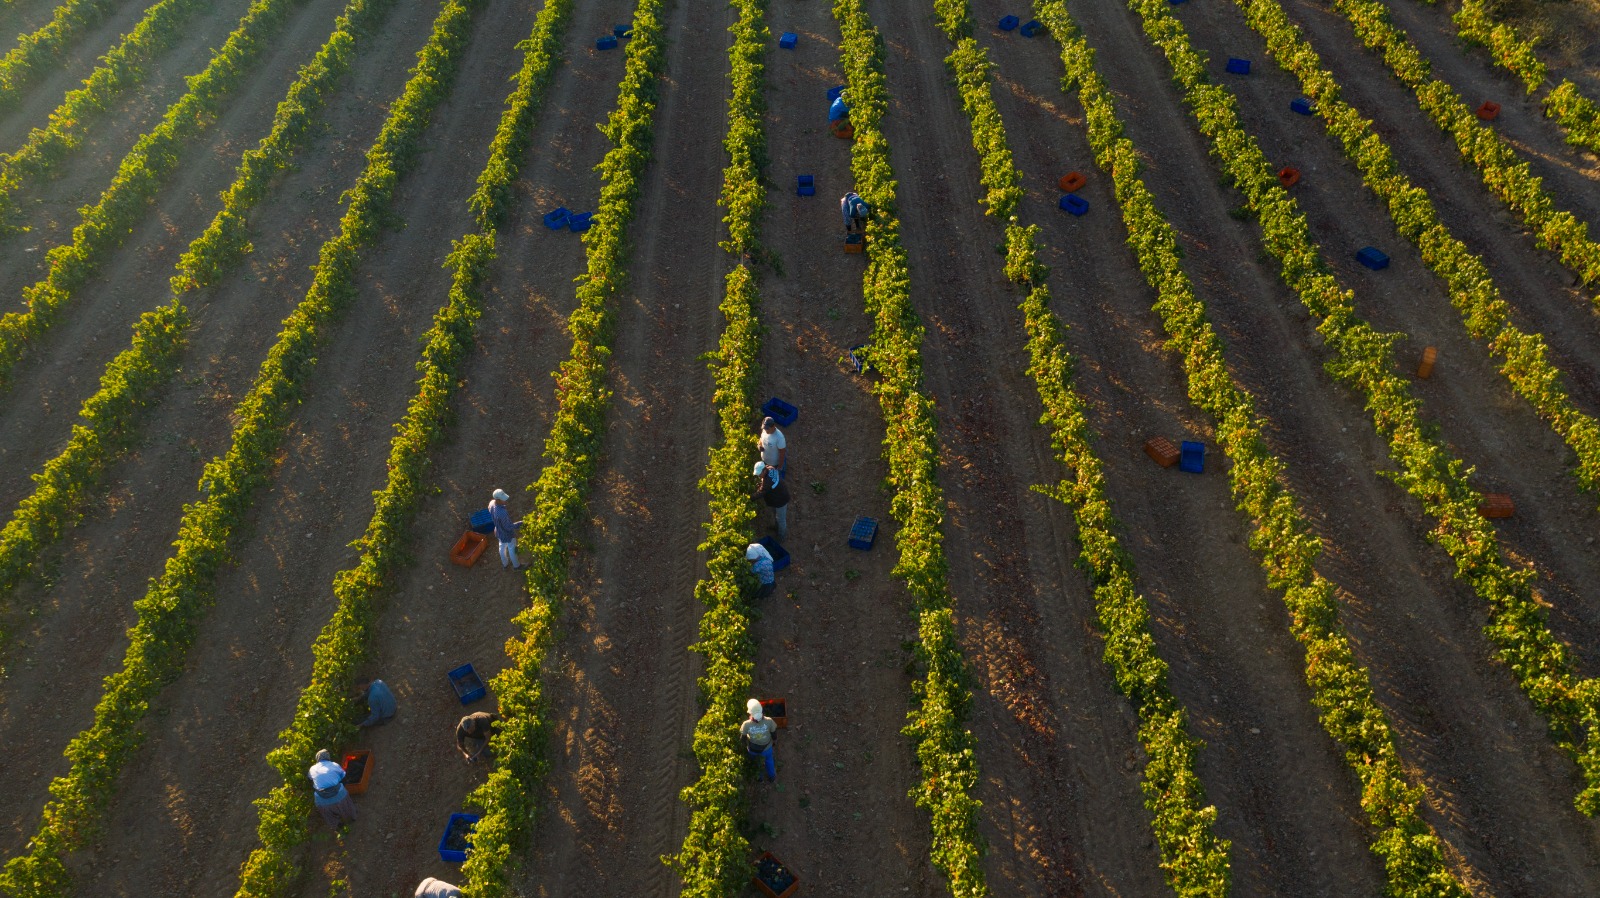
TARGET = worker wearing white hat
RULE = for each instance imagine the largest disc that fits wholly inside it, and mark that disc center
(761, 565)
(504, 530)
(775, 493)
(758, 733)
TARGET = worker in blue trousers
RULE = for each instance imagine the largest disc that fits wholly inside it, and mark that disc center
(758, 733)
(761, 565)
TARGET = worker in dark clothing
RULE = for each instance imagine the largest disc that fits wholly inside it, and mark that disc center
(854, 210)
(775, 493)
(473, 732)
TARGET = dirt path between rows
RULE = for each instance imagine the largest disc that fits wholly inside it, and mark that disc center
(1499, 793)
(834, 639)
(440, 616)
(626, 693)
(77, 636)
(49, 386)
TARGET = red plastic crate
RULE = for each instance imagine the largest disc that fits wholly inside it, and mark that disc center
(1162, 450)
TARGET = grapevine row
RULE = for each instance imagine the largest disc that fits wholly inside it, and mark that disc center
(109, 419)
(509, 796)
(124, 67)
(1194, 857)
(1577, 114)
(1486, 316)
(1341, 689)
(714, 861)
(142, 173)
(169, 613)
(42, 49)
(942, 698)
(1543, 665)
(322, 713)
(1506, 176)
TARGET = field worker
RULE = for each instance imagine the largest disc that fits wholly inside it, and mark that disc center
(329, 795)
(505, 530)
(854, 210)
(838, 109)
(758, 733)
(436, 888)
(774, 446)
(473, 732)
(771, 490)
(761, 563)
(380, 701)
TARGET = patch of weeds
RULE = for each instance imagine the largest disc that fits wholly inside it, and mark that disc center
(852, 575)
(834, 314)
(818, 487)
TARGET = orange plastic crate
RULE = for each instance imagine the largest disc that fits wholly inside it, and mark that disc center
(1488, 110)
(1288, 177)
(467, 549)
(1497, 505)
(1425, 369)
(778, 710)
(842, 129)
(1071, 181)
(1162, 450)
(364, 778)
(767, 864)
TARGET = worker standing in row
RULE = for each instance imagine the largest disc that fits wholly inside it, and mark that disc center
(854, 210)
(758, 733)
(774, 492)
(774, 445)
(505, 531)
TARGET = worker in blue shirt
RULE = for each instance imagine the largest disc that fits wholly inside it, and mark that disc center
(854, 210)
(328, 791)
(380, 701)
(505, 530)
(761, 564)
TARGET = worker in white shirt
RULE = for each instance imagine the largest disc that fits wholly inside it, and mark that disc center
(328, 791)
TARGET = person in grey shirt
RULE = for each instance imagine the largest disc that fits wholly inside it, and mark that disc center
(380, 702)
(758, 733)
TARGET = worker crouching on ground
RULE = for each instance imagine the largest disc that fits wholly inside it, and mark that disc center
(854, 210)
(472, 735)
(758, 733)
(380, 701)
(761, 565)
(329, 794)
(774, 492)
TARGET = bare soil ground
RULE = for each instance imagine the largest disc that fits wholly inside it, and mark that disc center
(49, 386)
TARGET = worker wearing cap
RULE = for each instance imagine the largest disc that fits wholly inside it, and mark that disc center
(761, 564)
(772, 490)
(380, 701)
(437, 888)
(329, 794)
(505, 530)
(774, 446)
(758, 733)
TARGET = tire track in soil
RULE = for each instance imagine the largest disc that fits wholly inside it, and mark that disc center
(1499, 793)
(77, 634)
(49, 386)
(1015, 547)
(627, 693)
(33, 106)
(1485, 423)
(204, 771)
(439, 616)
(834, 638)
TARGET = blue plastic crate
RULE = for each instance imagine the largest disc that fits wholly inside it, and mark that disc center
(1031, 27)
(780, 411)
(834, 92)
(578, 222)
(788, 40)
(622, 31)
(557, 220)
(482, 521)
(863, 533)
(451, 855)
(780, 555)
(1075, 204)
(1373, 258)
(609, 42)
(1192, 457)
(858, 358)
(1174, 2)
(1237, 66)
(1009, 23)
(468, 685)
(805, 185)
(1301, 105)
